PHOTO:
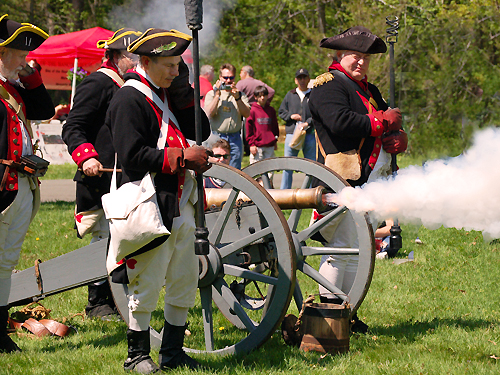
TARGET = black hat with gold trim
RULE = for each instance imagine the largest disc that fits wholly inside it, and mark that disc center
(22, 36)
(120, 40)
(357, 38)
(159, 42)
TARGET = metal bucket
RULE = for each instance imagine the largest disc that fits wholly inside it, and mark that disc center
(325, 328)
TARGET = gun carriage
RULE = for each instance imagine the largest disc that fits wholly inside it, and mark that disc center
(249, 276)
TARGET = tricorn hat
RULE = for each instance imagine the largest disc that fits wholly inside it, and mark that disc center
(357, 38)
(159, 42)
(22, 36)
(121, 39)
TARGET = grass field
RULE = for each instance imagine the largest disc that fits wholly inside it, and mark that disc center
(438, 314)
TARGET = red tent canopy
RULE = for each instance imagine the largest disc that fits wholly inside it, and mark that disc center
(57, 55)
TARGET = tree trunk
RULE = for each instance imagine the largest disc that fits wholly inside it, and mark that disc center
(78, 21)
(320, 7)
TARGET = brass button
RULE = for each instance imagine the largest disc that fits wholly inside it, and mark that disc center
(376, 120)
(12, 174)
(15, 141)
(11, 186)
(93, 150)
(181, 187)
(78, 154)
(374, 155)
(14, 118)
(377, 146)
(171, 138)
(378, 126)
(15, 130)
(136, 292)
(83, 175)
(371, 165)
(86, 150)
(16, 152)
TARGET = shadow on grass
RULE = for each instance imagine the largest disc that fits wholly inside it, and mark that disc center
(412, 330)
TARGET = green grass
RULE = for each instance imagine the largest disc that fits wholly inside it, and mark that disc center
(60, 172)
(438, 314)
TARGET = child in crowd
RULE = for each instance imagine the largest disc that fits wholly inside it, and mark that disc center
(262, 129)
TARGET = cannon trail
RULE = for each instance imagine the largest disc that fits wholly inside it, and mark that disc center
(460, 192)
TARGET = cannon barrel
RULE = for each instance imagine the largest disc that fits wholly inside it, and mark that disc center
(286, 199)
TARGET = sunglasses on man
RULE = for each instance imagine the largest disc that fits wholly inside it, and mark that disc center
(218, 156)
(230, 77)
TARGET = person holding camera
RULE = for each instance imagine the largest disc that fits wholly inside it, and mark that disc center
(22, 96)
(225, 106)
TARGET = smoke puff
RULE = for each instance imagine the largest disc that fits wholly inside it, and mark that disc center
(459, 192)
(170, 14)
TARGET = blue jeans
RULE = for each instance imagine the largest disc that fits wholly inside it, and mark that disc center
(309, 151)
(234, 140)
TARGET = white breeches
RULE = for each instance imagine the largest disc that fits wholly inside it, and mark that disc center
(14, 223)
(340, 270)
(173, 264)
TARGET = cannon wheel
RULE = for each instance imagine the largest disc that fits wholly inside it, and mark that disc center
(366, 250)
(222, 267)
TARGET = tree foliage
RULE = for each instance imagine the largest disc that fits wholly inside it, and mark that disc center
(446, 56)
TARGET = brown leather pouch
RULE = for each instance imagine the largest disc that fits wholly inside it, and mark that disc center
(346, 164)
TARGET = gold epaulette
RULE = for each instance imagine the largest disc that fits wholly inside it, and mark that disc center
(323, 78)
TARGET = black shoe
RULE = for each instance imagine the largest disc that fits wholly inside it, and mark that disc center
(103, 312)
(7, 345)
(141, 364)
(172, 355)
(358, 326)
(101, 304)
(138, 353)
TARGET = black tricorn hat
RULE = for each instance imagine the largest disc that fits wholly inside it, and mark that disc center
(22, 36)
(121, 39)
(159, 42)
(357, 38)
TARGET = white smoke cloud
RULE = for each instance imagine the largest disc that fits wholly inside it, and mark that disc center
(461, 192)
(170, 14)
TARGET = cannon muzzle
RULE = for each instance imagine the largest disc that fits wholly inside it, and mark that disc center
(286, 199)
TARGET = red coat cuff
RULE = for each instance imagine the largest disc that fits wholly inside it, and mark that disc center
(172, 160)
(32, 81)
(84, 152)
(376, 122)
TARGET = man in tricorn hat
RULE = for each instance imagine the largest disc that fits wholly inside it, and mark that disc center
(89, 143)
(161, 81)
(350, 116)
(22, 96)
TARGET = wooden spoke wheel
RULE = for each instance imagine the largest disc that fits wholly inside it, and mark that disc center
(366, 243)
(251, 257)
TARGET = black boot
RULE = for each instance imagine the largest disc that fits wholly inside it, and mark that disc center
(357, 325)
(171, 353)
(6, 343)
(101, 304)
(138, 353)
